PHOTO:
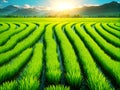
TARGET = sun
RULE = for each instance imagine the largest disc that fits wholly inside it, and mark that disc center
(61, 5)
(64, 6)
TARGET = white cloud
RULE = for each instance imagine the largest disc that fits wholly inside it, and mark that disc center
(5, 1)
(86, 5)
(16, 6)
(91, 5)
(26, 6)
(42, 8)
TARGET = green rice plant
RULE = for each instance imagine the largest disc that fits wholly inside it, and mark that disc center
(23, 84)
(57, 87)
(34, 67)
(107, 36)
(53, 76)
(72, 68)
(112, 25)
(93, 75)
(9, 70)
(28, 83)
(27, 42)
(113, 51)
(4, 27)
(12, 85)
(117, 24)
(111, 30)
(110, 66)
(11, 25)
(29, 77)
(53, 72)
(74, 78)
(4, 37)
(17, 37)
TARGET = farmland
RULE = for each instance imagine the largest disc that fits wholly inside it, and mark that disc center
(60, 54)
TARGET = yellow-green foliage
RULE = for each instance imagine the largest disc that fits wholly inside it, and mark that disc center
(59, 53)
(72, 68)
(53, 72)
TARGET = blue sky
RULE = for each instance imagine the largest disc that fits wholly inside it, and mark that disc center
(4, 3)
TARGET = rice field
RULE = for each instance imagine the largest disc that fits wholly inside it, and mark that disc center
(60, 54)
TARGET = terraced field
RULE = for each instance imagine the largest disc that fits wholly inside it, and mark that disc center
(59, 55)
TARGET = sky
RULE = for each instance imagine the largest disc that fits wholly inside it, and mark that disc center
(49, 3)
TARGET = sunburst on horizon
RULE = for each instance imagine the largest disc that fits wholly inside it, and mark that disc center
(63, 5)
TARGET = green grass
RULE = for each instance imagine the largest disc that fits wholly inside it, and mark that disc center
(6, 35)
(53, 71)
(15, 39)
(57, 87)
(110, 66)
(107, 47)
(59, 54)
(112, 25)
(111, 30)
(107, 36)
(4, 27)
(59, 19)
(10, 70)
(95, 79)
(72, 68)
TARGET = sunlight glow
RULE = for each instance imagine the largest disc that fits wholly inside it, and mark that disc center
(61, 5)
(64, 6)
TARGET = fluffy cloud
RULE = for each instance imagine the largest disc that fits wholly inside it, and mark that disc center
(16, 6)
(87, 5)
(42, 8)
(5, 1)
(90, 5)
(26, 6)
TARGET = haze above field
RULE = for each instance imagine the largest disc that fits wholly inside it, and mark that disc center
(53, 4)
(59, 8)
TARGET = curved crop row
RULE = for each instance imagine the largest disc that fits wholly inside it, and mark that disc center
(28, 42)
(53, 71)
(109, 37)
(117, 24)
(29, 78)
(17, 37)
(110, 66)
(113, 26)
(6, 35)
(107, 47)
(34, 67)
(111, 30)
(12, 27)
(9, 70)
(4, 27)
(95, 79)
(93, 45)
(72, 68)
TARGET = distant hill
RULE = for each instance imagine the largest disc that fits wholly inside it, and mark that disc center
(30, 12)
(107, 9)
(8, 10)
(112, 8)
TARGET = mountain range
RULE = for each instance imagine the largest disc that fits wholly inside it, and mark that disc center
(107, 9)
